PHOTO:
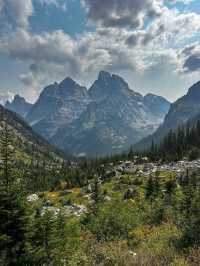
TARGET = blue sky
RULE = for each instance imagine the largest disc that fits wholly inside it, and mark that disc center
(71, 19)
(153, 44)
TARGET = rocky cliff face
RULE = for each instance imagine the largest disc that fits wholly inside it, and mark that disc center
(115, 118)
(58, 105)
(106, 119)
(157, 105)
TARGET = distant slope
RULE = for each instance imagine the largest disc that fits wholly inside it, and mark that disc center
(19, 105)
(185, 109)
(27, 144)
(158, 105)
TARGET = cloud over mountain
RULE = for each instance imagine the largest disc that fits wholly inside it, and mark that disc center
(131, 36)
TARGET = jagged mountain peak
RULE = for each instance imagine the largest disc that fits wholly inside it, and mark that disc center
(58, 104)
(68, 82)
(65, 89)
(104, 75)
(106, 118)
(107, 77)
(108, 84)
(70, 87)
(19, 105)
(17, 99)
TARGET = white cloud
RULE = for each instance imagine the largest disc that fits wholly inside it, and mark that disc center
(16, 13)
(189, 59)
(1, 4)
(50, 47)
(186, 2)
(126, 13)
(6, 96)
(120, 43)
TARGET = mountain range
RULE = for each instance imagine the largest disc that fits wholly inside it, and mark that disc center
(104, 119)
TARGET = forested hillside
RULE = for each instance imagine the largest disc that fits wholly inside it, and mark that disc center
(181, 112)
(28, 146)
(99, 212)
(179, 143)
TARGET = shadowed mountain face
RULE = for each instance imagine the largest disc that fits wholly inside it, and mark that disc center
(58, 105)
(28, 144)
(115, 118)
(105, 119)
(19, 105)
(183, 110)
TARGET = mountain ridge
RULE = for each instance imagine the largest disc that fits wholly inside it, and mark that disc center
(19, 105)
(183, 110)
(105, 119)
(114, 118)
(28, 143)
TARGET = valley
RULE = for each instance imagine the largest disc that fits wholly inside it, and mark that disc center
(84, 193)
(127, 211)
(104, 120)
(99, 132)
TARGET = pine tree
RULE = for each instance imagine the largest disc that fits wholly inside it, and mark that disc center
(41, 239)
(6, 153)
(12, 228)
(12, 209)
(131, 153)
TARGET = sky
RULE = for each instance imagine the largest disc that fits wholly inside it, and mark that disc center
(153, 44)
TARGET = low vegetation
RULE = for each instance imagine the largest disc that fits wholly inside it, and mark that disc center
(91, 214)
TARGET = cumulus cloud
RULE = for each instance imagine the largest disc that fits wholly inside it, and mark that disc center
(51, 55)
(15, 13)
(126, 13)
(1, 4)
(50, 47)
(139, 37)
(41, 74)
(190, 58)
(192, 63)
(186, 2)
(6, 96)
(171, 28)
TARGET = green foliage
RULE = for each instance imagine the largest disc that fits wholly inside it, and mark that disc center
(183, 142)
(12, 227)
(131, 219)
(113, 220)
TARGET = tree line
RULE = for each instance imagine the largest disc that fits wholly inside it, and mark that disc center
(177, 144)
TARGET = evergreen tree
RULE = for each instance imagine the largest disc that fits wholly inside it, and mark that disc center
(41, 239)
(6, 153)
(131, 153)
(12, 208)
